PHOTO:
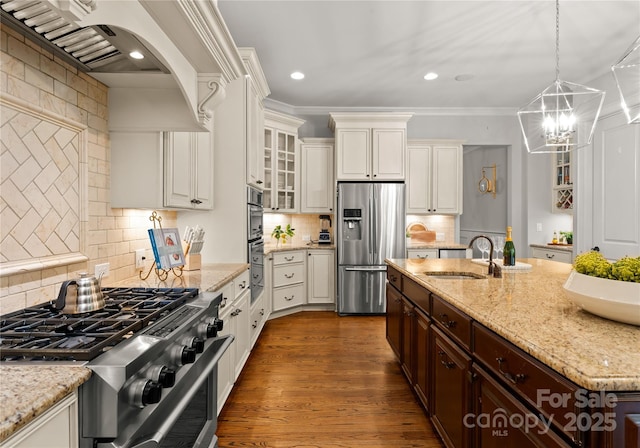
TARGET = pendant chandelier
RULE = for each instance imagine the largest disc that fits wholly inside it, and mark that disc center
(551, 121)
(627, 74)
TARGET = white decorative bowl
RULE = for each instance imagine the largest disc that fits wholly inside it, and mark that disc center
(613, 299)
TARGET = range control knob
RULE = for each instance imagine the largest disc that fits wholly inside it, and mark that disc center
(143, 392)
(207, 331)
(183, 355)
(217, 323)
(165, 376)
(195, 343)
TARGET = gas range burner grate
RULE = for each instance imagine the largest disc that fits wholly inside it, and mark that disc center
(44, 333)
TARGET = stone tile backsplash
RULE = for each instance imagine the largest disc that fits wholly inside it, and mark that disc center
(37, 77)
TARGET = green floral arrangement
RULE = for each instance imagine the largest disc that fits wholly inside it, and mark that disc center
(281, 234)
(593, 263)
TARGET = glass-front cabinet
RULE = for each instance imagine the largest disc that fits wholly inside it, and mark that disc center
(562, 200)
(281, 154)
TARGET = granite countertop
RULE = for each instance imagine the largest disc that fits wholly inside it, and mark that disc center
(435, 245)
(532, 310)
(27, 391)
(562, 247)
(211, 277)
(270, 247)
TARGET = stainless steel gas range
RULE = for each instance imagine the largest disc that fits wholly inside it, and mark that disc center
(153, 353)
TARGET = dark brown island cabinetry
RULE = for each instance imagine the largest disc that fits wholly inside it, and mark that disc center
(481, 391)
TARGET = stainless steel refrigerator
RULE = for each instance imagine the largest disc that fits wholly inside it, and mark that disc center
(371, 227)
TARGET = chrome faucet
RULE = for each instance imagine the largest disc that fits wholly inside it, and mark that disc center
(494, 269)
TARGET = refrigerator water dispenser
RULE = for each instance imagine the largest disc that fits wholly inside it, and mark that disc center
(352, 229)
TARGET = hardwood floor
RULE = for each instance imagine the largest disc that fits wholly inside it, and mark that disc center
(316, 380)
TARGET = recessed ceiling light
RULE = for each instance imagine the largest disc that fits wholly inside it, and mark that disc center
(136, 55)
(297, 75)
(430, 76)
(464, 77)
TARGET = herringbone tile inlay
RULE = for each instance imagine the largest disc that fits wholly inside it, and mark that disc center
(40, 163)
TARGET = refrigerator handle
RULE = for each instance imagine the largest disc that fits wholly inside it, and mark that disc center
(370, 229)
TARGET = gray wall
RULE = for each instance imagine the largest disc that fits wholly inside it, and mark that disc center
(482, 212)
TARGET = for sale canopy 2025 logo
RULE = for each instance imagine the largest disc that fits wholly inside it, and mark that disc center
(589, 414)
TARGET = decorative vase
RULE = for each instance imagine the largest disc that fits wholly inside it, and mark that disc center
(613, 299)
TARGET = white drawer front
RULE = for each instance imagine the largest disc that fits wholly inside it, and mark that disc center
(295, 256)
(553, 255)
(422, 253)
(241, 283)
(288, 274)
(287, 297)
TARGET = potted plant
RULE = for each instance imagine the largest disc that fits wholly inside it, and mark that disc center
(281, 234)
(568, 237)
(610, 290)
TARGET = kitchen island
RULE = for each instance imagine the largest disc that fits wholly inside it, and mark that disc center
(521, 334)
(29, 390)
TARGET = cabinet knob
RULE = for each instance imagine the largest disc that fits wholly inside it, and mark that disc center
(258, 182)
(550, 256)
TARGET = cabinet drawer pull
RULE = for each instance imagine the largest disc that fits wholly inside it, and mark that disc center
(289, 275)
(289, 299)
(513, 379)
(289, 258)
(423, 256)
(223, 302)
(235, 312)
(445, 363)
(550, 256)
(445, 322)
(262, 311)
(254, 324)
(242, 285)
(393, 278)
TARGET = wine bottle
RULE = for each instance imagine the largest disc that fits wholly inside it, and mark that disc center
(509, 251)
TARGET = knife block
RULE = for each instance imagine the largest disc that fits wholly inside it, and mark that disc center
(192, 262)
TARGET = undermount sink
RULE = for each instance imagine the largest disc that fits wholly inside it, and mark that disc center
(454, 275)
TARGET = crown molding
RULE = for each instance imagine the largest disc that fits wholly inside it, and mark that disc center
(416, 111)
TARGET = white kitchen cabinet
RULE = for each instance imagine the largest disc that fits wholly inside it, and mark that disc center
(317, 179)
(608, 180)
(370, 146)
(255, 90)
(170, 171)
(562, 188)
(422, 253)
(552, 254)
(226, 364)
(434, 177)
(255, 137)
(289, 274)
(240, 320)
(259, 315)
(281, 163)
(321, 276)
(56, 427)
(188, 165)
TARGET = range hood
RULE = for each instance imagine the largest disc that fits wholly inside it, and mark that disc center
(190, 57)
(97, 48)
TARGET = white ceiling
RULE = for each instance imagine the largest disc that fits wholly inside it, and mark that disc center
(374, 54)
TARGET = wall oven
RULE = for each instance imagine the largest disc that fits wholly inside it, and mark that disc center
(255, 242)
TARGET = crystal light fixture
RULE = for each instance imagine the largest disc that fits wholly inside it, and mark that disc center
(551, 121)
(627, 74)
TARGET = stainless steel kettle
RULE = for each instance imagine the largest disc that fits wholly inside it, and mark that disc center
(81, 295)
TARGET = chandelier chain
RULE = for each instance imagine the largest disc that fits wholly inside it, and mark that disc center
(557, 40)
